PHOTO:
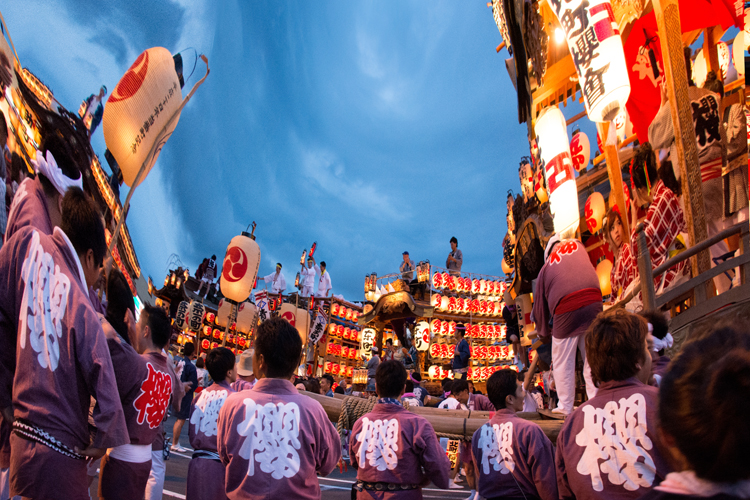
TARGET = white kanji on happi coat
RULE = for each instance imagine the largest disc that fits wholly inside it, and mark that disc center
(206, 411)
(45, 298)
(379, 440)
(271, 438)
(496, 445)
(153, 400)
(615, 438)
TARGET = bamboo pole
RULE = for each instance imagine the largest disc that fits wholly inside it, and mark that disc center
(670, 37)
(615, 178)
(443, 421)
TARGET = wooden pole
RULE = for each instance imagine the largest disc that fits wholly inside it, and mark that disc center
(709, 52)
(644, 269)
(670, 37)
(615, 179)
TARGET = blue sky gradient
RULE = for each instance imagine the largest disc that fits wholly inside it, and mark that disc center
(371, 127)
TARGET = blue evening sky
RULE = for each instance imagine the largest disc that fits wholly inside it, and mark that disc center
(371, 127)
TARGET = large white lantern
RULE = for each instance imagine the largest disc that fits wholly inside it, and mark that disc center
(580, 151)
(247, 317)
(240, 267)
(138, 109)
(368, 340)
(297, 317)
(180, 318)
(523, 306)
(422, 336)
(222, 315)
(552, 138)
(596, 47)
(194, 319)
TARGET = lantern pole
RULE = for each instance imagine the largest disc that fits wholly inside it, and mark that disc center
(232, 318)
(615, 177)
(155, 149)
(675, 73)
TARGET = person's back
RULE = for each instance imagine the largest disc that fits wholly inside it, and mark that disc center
(513, 457)
(272, 439)
(609, 447)
(393, 449)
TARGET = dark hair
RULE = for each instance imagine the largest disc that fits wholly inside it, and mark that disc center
(713, 83)
(500, 385)
(160, 325)
(3, 126)
(643, 169)
(704, 400)
(219, 361)
(409, 386)
(446, 384)
(520, 376)
(312, 385)
(281, 346)
(390, 379)
(323, 263)
(17, 165)
(119, 300)
(687, 53)
(328, 377)
(389, 341)
(416, 376)
(188, 349)
(454, 240)
(199, 363)
(615, 342)
(64, 152)
(658, 322)
(612, 216)
(82, 224)
(666, 174)
(213, 257)
(459, 385)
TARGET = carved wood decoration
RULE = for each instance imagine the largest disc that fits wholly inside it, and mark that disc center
(536, 41)
(498, 13)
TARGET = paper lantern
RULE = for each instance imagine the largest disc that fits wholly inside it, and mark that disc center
(594, 212)
(205, 344)
(738, 52)
(210, 317)
(368, 340)
(247, 317)
(434, 371)
(347, 333)
(206, 331)
(563, 193)
(331, 329)
(298, 318)
(422, 336)
(482, 286)
(450, 282)
(181, 315)
(460, 304)
(222, 315)
(596, 47)
(444, 303)
(437, 280)
(603, 271)
(334, 309)
(214, 345)
(435, 326)
(344, 352)
(540, 190)
(623, 126)
(507, 270)
(348, 315)
(475, 286)
(523, 306)
(216, 333)
(138, 109)
(240, 267)
(580, 151)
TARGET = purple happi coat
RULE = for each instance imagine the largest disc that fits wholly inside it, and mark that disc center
(477, 402)
(567, 271)
(273, 440)
(659, 365)
(29, 208)
(61, 360)
(205, 479)
(608, 447)
(178, 392)
(513, 459)
(242, 385)
(145, 388)
(393, 445)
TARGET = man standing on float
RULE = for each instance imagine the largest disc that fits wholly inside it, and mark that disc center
(567, 299)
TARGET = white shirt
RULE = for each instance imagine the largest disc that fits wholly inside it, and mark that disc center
(324, 283)
(529, 403)
(278, 283)
(452, 404)
(308, 277)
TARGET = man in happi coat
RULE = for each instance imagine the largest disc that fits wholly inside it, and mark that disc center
(476, 402)
(567, 298)
(395, 451)
(244, 370)
(37, 202)
(609, 447)
(145, 387)
(205, 478)
(61, 357)
(272, 439)
(513, 457)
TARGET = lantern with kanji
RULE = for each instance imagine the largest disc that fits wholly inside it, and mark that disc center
(563, 193)
(437, 280)
(580, 150)
(436, 300)
(594, 212)
(523, 306)
(334, 309)
(596, 47)
(210, 317)
(240, 267)
(247, 317)
(298, 318)
(180, 316)
(205, 344)
(368, 340)
(206, 331)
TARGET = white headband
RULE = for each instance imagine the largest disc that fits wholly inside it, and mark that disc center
(52, 172)
(664, 343)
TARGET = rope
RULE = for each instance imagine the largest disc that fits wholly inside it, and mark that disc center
(353, 408)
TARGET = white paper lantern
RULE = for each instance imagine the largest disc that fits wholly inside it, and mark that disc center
(596, 47)
(247, 317)
(140, 106)
(738, 52)
(180, 317)
(623, 126)
(434, 372)
(222, 315)
(368, 340)
(194, 318)
(444, 303)
(297, 317)
(422, 336)
(552, 138)
(240, 267)
(580, 151)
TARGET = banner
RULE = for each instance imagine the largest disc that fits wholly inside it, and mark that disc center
(318, 326)
(261, 302)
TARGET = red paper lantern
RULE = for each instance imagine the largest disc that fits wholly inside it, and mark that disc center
(206, 331)
(348, 314)
(435, 326)
(334, 309)
(475, 286)
(210, 317)
(205, 344)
